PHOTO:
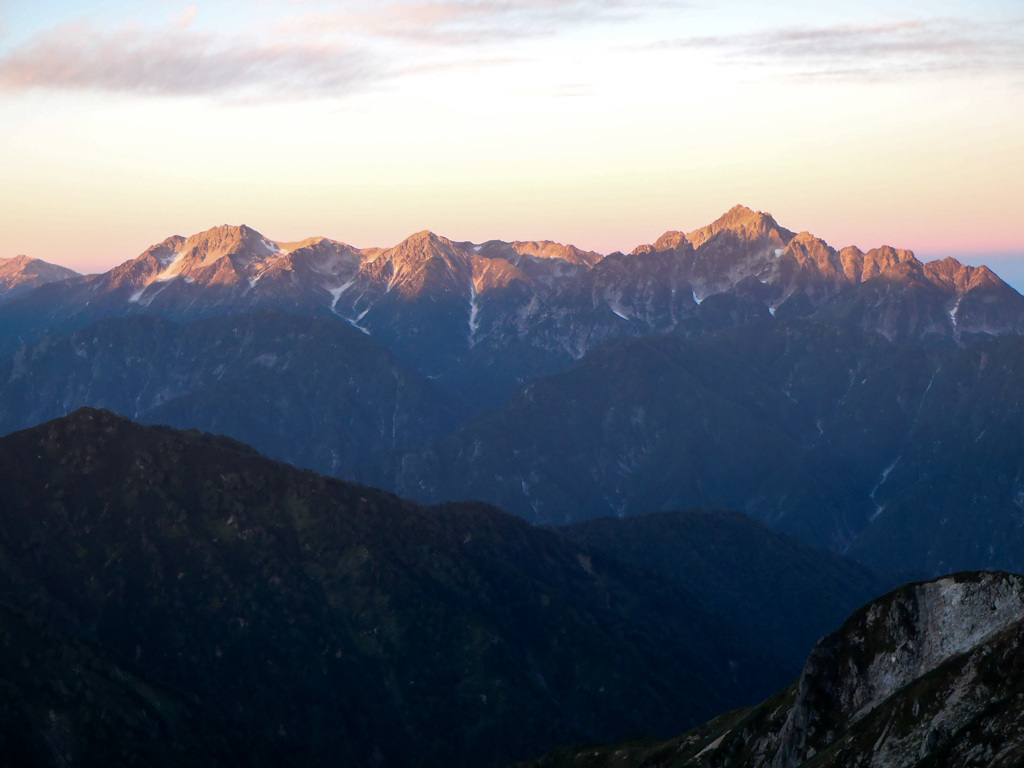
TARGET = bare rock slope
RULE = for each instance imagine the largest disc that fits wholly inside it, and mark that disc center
(930, 675)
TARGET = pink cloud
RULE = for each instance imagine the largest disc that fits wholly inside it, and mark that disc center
(175, 62)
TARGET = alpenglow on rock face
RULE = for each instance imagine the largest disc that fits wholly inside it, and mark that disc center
(447, 308)
(929, 675)
(22, 274)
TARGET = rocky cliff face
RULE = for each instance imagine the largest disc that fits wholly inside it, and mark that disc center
(882, 650)
(929, 675)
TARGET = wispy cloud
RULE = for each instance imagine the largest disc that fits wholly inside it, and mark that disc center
(476, 21)
(891, 50)
(185, 19)
(319, 48)
(175, 61)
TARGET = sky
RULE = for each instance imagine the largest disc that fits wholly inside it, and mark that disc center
(601, 123)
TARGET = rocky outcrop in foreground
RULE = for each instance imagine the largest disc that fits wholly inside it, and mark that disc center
(929, 675)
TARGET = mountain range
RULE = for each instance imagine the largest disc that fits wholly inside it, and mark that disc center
(496, 313)
(173, 597)
(862, 401)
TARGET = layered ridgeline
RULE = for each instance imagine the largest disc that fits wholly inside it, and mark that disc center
(864, 402)
(903, 455)
(927, 676)
(310, 391)
(171, 598)
(482, 317)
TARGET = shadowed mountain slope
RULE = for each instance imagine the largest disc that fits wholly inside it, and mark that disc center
(906, 456)
(197, 596)
(768, 585)
(310, 391)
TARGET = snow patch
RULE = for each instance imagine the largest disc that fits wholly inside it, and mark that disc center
(336, 294)
(172, 269)
(617, 309)
(359, 318)
(139, 298)
(393, 279)
(474, 312)
(880, 508)
(778, 252)
(953, 311)
(697, 298)
(771, 311)
(271, 247)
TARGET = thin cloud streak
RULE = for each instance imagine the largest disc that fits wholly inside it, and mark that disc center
(480, 21)
(466, 23)
(893, 50)
(186, 19)
(175, 62)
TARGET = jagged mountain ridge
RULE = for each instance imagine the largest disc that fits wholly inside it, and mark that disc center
(177, 594)
(511, 311)
(930, 675)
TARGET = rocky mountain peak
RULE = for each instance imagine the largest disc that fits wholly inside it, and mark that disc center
(22, 266)
(670, 241)
(227, 240)
(421, 246)
(546, 249)
(810, 246)
(959, 278)
(673, 240)
(744, 223)
(859, 267)
(422, 262)
(21, 274)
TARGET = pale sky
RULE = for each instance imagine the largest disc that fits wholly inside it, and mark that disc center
(600, 123)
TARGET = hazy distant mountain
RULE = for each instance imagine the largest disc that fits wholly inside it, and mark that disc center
(21, 274)
(172, 598)
(929, 675)
(310, 391)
